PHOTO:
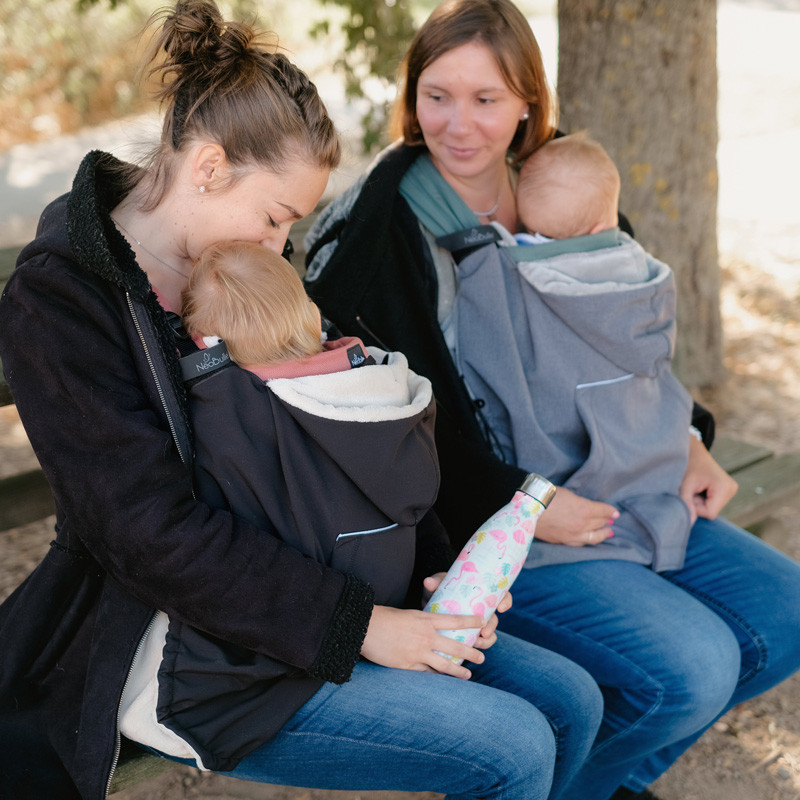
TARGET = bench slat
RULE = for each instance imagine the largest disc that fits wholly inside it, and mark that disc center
(763, 480)
(24, 498)
(8, 258)
(762, 486)
(733, 455)
(136, 766)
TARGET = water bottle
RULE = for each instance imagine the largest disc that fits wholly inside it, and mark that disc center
(492, 558)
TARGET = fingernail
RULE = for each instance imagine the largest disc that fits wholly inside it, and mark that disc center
(610, 535)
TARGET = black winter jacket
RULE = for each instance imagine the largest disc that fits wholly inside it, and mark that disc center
(89, 357)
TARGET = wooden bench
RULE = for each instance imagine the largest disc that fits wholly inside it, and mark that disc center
(766, 481)
(135, 767)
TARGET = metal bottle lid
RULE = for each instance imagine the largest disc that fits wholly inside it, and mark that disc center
(539, 488)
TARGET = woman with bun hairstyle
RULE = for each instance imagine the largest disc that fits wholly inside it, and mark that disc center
(323, 686)
(673, 643)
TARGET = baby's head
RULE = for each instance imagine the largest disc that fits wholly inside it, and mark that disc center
(254, 300)
(568, 187)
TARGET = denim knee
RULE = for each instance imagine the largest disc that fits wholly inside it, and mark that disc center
(703, 678)
(518, 753)
(582, 703)
(685, 688)
(760, 602)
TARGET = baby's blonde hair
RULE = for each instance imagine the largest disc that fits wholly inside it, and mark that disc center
(567, 187)
(255, 301)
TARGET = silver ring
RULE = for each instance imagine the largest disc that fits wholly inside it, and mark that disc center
(591, 536)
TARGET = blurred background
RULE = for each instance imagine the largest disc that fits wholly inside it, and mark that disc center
(68, 72)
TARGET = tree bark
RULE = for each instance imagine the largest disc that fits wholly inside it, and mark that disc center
(641, 77)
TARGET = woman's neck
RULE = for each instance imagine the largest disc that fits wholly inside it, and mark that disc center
(489, 196)
(167, 270)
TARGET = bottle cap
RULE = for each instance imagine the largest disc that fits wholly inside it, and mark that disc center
(539, 488)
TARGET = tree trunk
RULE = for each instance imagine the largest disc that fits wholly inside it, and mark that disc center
(641, 77)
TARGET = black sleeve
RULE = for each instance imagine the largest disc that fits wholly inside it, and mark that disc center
(121, 487)
(703, 420)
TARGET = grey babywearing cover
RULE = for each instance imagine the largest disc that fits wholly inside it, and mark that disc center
(572, 375)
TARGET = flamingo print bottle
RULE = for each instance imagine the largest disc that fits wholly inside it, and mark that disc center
(492, 558)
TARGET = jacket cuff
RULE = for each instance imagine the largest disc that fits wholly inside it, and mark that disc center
(341, 648)
(703, 420)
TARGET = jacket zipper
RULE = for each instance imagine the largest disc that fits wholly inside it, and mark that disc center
(170, 420)
(161, 395)
(118, 741)
(367, 330)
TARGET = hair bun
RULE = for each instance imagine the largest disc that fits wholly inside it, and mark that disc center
(191, 30)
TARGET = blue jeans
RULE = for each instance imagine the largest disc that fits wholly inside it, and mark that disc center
(498, 735)
(671, 651)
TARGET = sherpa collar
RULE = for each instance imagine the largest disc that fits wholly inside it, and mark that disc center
(95, 241)
(100, 249)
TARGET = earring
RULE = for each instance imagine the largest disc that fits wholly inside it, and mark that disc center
(525, 115)
(202, 189)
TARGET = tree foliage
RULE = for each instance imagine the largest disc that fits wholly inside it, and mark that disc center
(62, 68)
(372, 37)
(376, 34)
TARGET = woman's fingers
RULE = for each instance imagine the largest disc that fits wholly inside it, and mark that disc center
(706, 487)
(575, 521)
(600, 535)
(505, 603)
(410, 639)
(431, 584)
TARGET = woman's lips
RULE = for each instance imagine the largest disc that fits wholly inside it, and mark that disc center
(462, 152)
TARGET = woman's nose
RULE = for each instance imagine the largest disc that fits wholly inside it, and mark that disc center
(276, 241)
(460, 119)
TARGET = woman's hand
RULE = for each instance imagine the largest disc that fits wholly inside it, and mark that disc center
(404, 638)
(488, 635)
(706, 487)
(430, 585)
(575, 521)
